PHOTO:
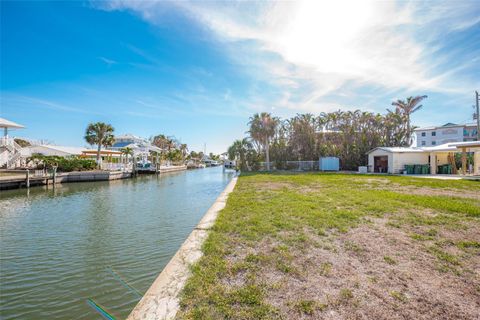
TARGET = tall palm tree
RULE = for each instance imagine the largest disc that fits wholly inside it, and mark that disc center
(100, 134)
(406, 108)
(262, 129)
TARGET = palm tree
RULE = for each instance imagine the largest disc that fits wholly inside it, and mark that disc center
(262, 129)
(184, 150)
(238, 151)
(127, 151)
(406, 108)
(100, 134)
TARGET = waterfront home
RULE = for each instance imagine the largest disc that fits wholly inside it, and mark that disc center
(395, 159)
(141, 147)
(10, 151)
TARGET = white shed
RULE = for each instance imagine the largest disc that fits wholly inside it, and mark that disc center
(394, 159)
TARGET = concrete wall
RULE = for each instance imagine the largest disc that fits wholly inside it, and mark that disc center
(20, 181)
(164, 169)
(92, 176)
(403, 158)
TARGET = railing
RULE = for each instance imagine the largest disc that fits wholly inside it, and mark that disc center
(4, 157)
(10, 144)
(116, 166)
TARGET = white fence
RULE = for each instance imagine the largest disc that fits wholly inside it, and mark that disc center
(116, 166)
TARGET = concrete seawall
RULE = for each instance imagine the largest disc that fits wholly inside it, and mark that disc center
(161, 301)
(20, 181)
(172, 169)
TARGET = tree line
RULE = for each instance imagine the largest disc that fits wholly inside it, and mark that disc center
(348, 135)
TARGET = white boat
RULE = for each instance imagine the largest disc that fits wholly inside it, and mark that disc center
(145, 166)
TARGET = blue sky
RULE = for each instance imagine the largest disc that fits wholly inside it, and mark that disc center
(198, 70)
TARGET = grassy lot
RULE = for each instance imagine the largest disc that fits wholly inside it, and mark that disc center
(333, 246)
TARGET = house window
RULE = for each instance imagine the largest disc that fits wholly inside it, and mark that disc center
(424, 134)
(434, 133)
(423, 143)
(434, 143)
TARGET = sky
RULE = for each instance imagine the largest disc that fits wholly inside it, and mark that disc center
(199, 70)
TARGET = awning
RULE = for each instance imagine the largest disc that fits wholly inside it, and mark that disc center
(466, 144)
(4, 123)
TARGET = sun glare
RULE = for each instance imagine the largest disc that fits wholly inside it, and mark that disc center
(322, 34)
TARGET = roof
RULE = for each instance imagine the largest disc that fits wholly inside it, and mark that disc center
(446, 125)
(467, 144)
(77, 151)
(123, 144)
(4, 123)
(61, 149)
(397, 149)
(440, 147)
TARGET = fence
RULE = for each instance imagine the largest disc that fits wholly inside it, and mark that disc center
(290, 165)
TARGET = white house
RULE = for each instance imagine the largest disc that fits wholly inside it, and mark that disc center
(394, 159)
(448, 133)
(140, 146)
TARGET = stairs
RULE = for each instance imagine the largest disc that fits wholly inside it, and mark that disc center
(11, 153)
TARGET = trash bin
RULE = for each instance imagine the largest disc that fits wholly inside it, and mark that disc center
(449, 169)
(408, 168)
(418, 169)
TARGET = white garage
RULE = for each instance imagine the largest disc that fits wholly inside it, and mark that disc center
(394, 159)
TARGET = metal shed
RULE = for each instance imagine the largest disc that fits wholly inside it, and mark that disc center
(329, 164)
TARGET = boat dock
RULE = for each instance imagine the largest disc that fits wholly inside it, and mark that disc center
(15, 179)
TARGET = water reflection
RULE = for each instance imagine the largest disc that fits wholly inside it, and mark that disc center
(58, 243)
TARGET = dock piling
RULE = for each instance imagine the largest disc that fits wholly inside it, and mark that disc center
(27, 179)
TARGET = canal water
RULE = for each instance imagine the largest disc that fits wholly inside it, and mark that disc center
(61, 247)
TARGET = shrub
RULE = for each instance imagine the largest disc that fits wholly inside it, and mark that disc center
(65, 164)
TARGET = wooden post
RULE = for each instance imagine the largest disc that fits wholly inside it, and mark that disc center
(433, 163)
(27, 182)
(464, 160)
(476, 162)
(54, 175)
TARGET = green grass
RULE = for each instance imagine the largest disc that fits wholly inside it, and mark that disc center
(389, 260)
(398, 296)
(276, 217)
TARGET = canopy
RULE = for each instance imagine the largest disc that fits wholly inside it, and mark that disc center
(4, 123)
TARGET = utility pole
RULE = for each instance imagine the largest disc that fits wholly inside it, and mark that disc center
(478, 115)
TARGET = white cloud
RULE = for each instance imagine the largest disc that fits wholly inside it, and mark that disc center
(107, 61)
(324, 46)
